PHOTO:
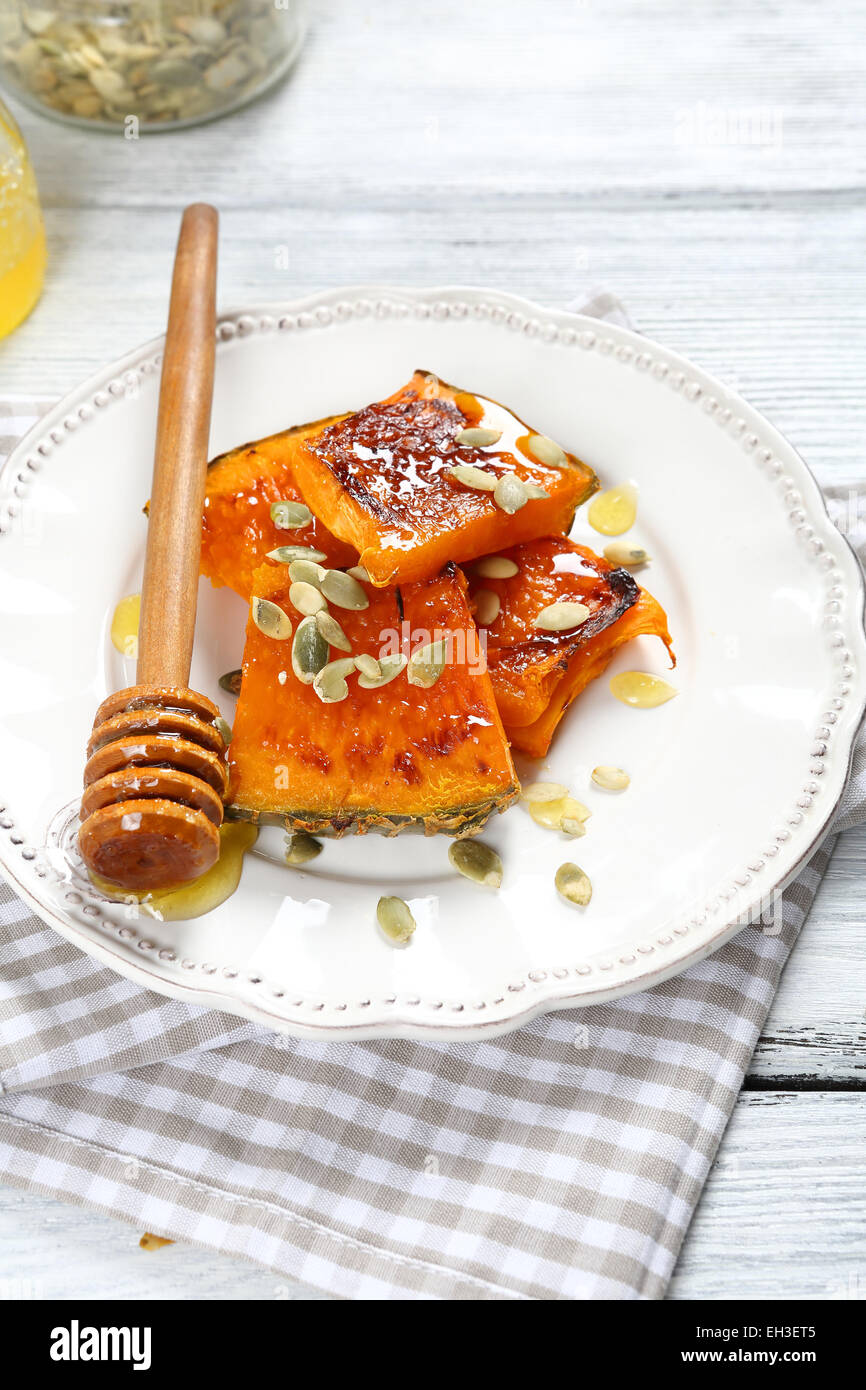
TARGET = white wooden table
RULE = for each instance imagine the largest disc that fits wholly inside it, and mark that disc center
(704, 162)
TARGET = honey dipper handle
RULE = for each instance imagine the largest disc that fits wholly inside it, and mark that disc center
(171, 563)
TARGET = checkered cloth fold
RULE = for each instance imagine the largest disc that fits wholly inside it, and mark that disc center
(562, 1161)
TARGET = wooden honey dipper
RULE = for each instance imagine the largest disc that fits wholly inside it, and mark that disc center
(156, 777)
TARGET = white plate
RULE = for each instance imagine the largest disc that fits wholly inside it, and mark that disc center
(732, 783)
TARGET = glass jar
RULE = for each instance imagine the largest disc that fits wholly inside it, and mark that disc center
(146, 64)
(22, 234)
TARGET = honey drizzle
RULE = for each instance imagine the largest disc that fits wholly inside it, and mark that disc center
(124, 626)
(641, 689)
(614, 511)
(205, 893)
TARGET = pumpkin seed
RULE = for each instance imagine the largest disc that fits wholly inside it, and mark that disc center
(613, 779)
(560, 617)
(477, 438)
(496, 567)
(301, 848)
(306, 572)
(309, 651)
(533, 491)
(343, 666)
(358, 572)
(111, 86)
(231, 681)
(227, 71)
(368, 666)
(389, 666)
(342, 589)
(547, 451)
(625, 556)
(270, 619)
(426, 664)
(225, 729)
(285, 554)
(477, 861)
(38, 21)
(573, 828)
(202, 29)
(573, 885)
(473, 477)
(288, 516)
(331, 690)
(330, 684)
(552, 814)
(331, 631)
(510, 494)
(544, 791)
(487, 606)
(87, 106)
(306, 598)
(175, 72)
(395, 918)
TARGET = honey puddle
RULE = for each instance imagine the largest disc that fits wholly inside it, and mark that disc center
(614, 511)
(641, 690)
(151, 1242)
(124, 626)
(205, 893)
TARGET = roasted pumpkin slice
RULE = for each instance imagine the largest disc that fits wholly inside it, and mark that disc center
(537, 671)
(381, 758)
(383, 480)
(646, 618)
(237, 527)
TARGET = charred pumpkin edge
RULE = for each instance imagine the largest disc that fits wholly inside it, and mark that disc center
(459, 822)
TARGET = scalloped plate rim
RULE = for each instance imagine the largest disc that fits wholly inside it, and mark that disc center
(549, 998)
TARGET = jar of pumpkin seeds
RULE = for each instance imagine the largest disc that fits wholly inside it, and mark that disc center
(146, 64)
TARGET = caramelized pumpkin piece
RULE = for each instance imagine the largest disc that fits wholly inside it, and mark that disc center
(646, 618)
(379, 759)
(382, 480)
(537, 673)
(237, 529)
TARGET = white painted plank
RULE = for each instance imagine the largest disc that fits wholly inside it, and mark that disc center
(781, 319)
(783, 1215)
(500, 95)
(815, 1034)
(784, 1212)
(50, 1250)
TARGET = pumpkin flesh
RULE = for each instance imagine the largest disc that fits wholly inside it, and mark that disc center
(237, 530)
(536, 674)
(381, 759)
(646, 618)
(380, 480)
